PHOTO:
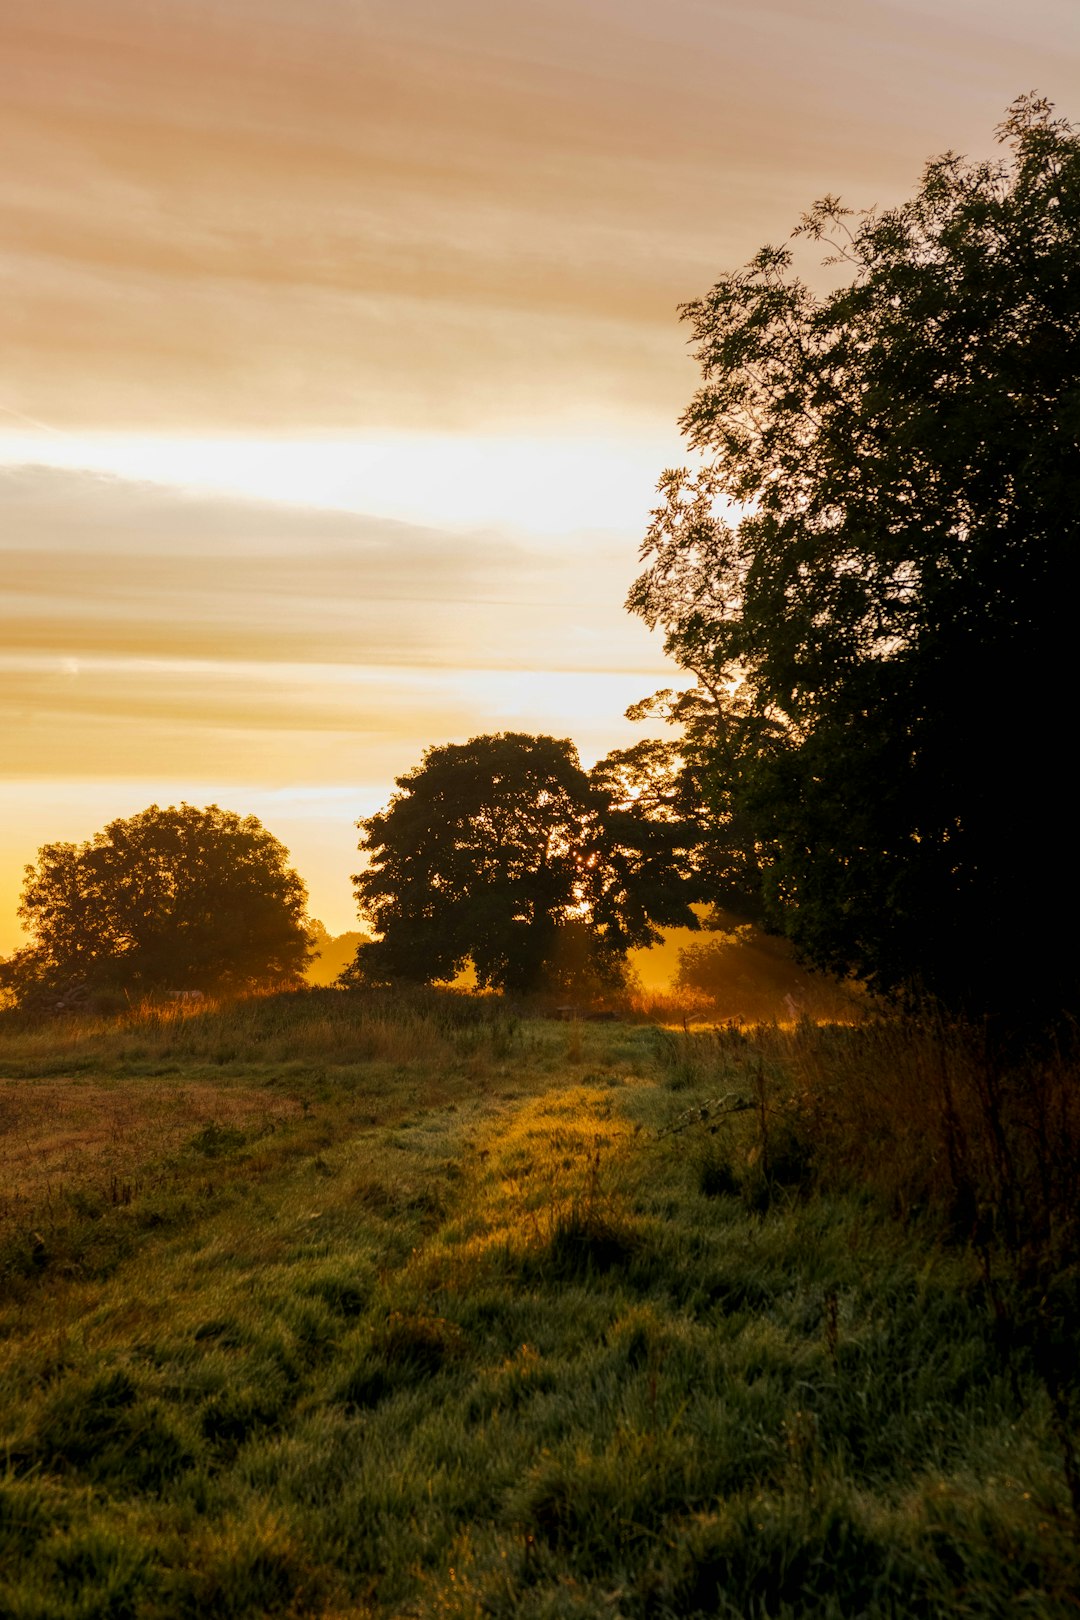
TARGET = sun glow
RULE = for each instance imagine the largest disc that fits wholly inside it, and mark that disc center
(555, 484)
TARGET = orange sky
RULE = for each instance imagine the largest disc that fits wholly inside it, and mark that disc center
(341, 339)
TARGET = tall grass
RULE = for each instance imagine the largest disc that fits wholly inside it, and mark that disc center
(928, 1114)
(306, 1026)
(944, 1127)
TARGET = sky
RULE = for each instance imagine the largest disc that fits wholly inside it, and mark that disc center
(341, 357)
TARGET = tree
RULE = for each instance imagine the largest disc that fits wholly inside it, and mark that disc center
(877, 557)
(501, 851)
(694, 788)
(182, 898)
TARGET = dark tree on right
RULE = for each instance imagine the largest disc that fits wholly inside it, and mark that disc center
(877, 557)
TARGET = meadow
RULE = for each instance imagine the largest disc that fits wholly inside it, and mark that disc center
(374, 1304)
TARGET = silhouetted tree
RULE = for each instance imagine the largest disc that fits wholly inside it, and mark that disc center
(501, 851)
(180, 898)
(694, 788)
(892, 596)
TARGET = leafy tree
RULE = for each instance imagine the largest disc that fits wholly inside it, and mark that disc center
(877, 558)
(502, 851)
(694, 788)
(168, 899)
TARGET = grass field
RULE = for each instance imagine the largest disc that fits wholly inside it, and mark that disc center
(351, 1305)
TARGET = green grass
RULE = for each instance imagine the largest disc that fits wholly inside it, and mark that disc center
(500, 1319)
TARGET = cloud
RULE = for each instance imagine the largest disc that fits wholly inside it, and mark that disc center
(443, 215)
(100, 567)
(147, 630)
(279, 725)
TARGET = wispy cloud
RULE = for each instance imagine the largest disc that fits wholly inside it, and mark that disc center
(145, 628)
(101, 567)
(444, 215)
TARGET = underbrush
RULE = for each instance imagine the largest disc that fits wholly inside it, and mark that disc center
(943, 1127)
(556, 1322)
(928, 1116)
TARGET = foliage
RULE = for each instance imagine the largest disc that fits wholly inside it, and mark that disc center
(743, 973)
(503, 852)
(877, 555)
(182, 899)
(695, 788)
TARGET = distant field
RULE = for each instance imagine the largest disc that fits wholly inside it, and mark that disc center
(385, 1306)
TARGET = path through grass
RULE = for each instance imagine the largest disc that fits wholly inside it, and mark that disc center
(487, 1321)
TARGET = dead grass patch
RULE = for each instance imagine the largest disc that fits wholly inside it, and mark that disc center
(59, 1137)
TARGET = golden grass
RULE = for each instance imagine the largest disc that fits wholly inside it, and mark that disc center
(934, 1113)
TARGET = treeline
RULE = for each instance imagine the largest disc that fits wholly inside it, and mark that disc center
(869, 577)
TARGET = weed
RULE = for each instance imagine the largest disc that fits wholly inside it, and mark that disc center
(251, 1567)
(101, 1572)
(405, 1350)
(345, 1292)
(214, 1140)
(231, 1418)
(28, 1513)
(419, 1345)
(787, 1555)
(586, 1242)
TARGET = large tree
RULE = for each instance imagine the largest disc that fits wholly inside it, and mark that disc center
(181, 898)
(876, 556)
(503, 852)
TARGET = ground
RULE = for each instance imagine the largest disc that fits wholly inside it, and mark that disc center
(345, 1306)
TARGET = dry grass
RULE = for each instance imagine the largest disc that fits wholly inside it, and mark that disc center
(935, 1115)
(308, 1028)
(59, 1137)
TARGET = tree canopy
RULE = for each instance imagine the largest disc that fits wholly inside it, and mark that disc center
(875, 562)
(503, 852)
(181, 898)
